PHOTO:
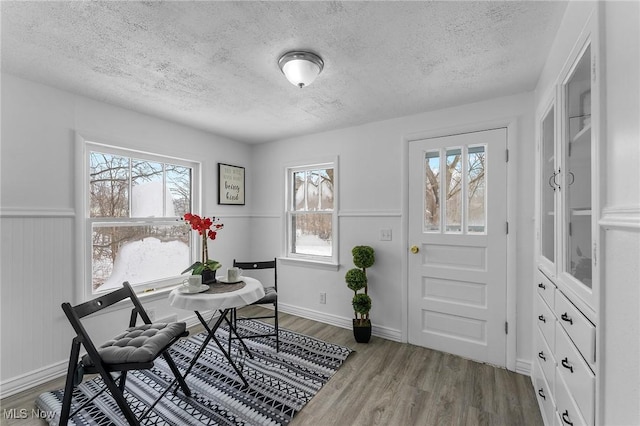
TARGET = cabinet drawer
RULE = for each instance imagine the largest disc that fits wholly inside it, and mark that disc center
(545, 400)
(568, 411)
(545, 358)
(578, 327)
(576, 375)
(546, 289)
(546, 320)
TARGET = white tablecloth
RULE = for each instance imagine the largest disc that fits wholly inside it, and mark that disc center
(250, 293)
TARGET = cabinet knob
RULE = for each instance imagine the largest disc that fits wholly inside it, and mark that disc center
(541, 393)
(565, 418)
(541, 318)
(541, 356)
(565, 364)
(542, 286)
(415, 249)
(567, 318)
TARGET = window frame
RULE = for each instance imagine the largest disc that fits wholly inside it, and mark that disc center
(85, 223)
(289, 212)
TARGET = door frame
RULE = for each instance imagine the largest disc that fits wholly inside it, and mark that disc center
(511, 124)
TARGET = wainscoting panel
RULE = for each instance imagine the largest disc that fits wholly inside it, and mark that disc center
(37, 255)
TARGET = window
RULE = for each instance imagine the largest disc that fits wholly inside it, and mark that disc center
(311, 213)
(134, 202)
(462, 189)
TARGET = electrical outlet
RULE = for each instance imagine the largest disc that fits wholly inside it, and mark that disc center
(323, 298)
(385, 235)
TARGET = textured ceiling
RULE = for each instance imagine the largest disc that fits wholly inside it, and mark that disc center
(213, 65)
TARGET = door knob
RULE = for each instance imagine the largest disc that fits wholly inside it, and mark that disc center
(415, 249)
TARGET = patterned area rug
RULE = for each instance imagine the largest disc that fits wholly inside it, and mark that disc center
(280, 383)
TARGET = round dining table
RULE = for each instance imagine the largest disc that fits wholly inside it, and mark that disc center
(219, 298)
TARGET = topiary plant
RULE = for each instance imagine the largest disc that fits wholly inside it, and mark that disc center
(356, 278)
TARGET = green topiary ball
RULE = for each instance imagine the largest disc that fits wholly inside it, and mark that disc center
(356, 279)
(361, 303)
(363, 256)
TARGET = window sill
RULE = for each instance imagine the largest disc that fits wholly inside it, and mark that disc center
(309, 263)
(147, 296)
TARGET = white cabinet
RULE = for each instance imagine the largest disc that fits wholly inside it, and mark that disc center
(565, 371)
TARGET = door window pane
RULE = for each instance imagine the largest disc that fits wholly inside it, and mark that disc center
(432, 191)
(476, 190)
(453, 180)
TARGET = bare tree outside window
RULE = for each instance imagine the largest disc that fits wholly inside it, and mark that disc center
(460, 173)
(312, 212)
(134, 204)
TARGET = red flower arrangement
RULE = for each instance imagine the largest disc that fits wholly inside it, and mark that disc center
(207, 228)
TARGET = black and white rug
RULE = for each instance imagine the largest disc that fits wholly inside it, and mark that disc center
(280, 383)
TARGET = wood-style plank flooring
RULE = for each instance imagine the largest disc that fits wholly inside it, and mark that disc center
(386, 383)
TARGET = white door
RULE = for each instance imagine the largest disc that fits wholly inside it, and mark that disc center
(458, 242)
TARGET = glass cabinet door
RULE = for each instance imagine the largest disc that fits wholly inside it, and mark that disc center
(576, 174)
(549, 186)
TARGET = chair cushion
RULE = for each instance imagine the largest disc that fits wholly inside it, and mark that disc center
(270, 296)
(138, 344)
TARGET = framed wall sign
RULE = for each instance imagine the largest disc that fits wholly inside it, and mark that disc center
(230, 184)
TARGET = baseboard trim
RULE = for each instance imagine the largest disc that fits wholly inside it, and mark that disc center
(338, 321)
(32, 379)
(43, 375)
(523, 367)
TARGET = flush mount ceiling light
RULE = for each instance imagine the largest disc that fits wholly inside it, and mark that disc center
(301, 68)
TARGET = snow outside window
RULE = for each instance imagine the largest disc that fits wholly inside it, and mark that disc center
(135, 202)
(311, 213)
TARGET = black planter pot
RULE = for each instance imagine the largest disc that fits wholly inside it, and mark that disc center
(362, 332)
(208, 277)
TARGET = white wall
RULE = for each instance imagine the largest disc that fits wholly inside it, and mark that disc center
(372, 172)
(37, 223)
(620, 384)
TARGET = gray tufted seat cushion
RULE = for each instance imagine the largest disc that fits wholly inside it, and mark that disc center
(138, 344)
(270, 296)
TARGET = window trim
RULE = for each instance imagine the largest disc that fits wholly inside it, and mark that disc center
(295, 258)
(84, 223)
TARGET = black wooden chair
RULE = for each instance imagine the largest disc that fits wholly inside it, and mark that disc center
(270, 298)
(134, 349)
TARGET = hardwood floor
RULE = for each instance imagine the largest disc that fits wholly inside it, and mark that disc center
(386, 383)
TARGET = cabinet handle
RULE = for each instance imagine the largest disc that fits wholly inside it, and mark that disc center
(552, 181)
(542, 286)
(541, 356)
(573, 178)
(567, 318)
(565, 418)
(565, 364)
(541, 393)
(541, 318)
